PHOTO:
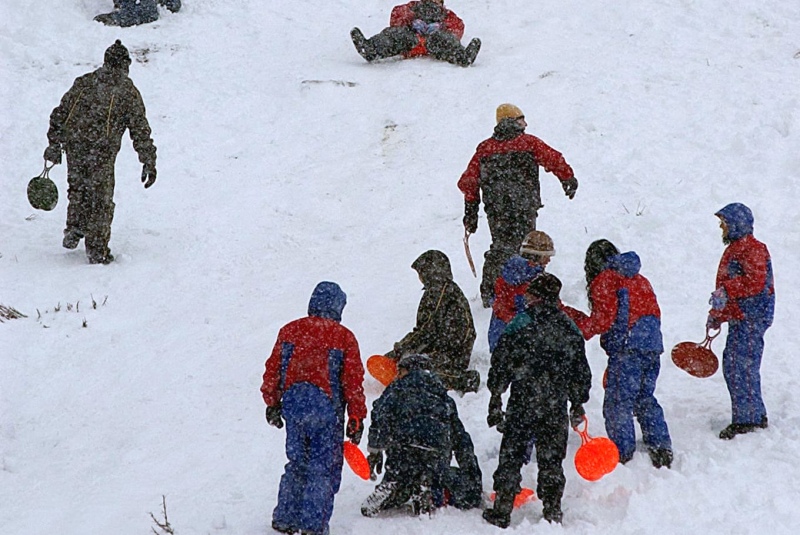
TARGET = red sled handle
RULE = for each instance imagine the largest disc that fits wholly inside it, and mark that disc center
(584, 434)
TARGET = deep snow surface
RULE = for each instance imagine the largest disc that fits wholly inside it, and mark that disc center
(284, 159)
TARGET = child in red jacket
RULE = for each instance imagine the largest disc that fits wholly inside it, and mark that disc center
(419, 28)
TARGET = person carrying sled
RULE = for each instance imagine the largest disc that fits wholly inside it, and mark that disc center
(541, 356)
(419, 28)
(88, 125)
(504, 173)
(509, 289)
(745, 298)
(445, 330)
(626, 315)
(416, 424)
(312, 378)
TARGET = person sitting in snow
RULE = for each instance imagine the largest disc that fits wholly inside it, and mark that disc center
(517, 273)
(445, 330)
(419, 28)
(416, 423)
(312, 379)
(133, 12)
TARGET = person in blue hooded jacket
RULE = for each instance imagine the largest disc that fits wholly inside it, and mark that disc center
(745, 298)
(626, 315)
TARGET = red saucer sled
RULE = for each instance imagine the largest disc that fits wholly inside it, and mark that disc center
(696, 359)
(382, 368)
(596, 457)
(356, 460)
(524, 496)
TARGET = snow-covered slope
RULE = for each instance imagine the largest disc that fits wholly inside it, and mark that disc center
(285, 159)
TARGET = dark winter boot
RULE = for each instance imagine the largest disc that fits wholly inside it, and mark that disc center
(740, 429)
(471, 52)
(421, 502)
(376, 501)
(280, 528)
(552, 513)
(362, 45)
(500, 514)
(72, 238)
(661, 457)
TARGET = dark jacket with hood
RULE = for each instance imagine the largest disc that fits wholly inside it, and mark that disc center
(505, 170)
(625, 310)
(745, 270)
(94, 114)
(445, 329)
(318, 350)
(542, 356)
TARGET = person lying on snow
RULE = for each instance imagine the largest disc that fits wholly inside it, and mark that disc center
(419, 28)
(134, 12)
(416, 423)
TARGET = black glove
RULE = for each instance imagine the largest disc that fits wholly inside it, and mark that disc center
(148, 175)
(375, 460)
(713, 323)
(496, 416)
(274, 416)
(471, 216)
(570, 187)
(576, 415)
(355, 428)
(53, 154)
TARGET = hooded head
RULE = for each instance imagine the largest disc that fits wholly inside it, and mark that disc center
(433, 266)
(518, 270)
(414, 361)
(546, 288)
(327, 301)
(117, 57)
(627, 264)
(739, 220)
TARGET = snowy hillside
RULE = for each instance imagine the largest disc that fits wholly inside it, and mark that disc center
(284, 159)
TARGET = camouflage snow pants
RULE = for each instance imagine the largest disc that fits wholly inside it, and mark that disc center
(91, 203)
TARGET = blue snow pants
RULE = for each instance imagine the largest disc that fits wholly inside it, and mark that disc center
(314, 448)
(630, 392)
(741, 366)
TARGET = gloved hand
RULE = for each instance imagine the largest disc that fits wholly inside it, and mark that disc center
(148, 175)
(53, 154)
(712, 323)
(419, 26)
(719, 298)
(576, 415)
(570, 187)
(375, 460)
(355, 428)
(471, 216)
(274, 416)
(496, 417)
(433, 27)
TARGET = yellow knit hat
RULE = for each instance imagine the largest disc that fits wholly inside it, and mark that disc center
(505, 111)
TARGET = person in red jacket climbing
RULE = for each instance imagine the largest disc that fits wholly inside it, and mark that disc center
(312, 378)
(419, 28)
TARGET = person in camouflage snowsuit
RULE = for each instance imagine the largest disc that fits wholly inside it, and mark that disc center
(445, 330)
(504, 173)
(88, 125)
(134, 12)
(541, 356)
(416, 423)
(419, 28)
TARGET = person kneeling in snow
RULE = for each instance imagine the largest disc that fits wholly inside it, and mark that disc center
(417, 424)
(133, 12)
(419, 28)
(445, 330)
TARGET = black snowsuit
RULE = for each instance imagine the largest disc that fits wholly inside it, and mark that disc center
(541, 355)
(88, 124)
(134, 12)
(445, 330)
(416, 423)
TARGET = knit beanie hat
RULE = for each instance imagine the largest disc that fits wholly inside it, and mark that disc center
(508, 111)
(537, 243)
(117, 55)
(546, 287)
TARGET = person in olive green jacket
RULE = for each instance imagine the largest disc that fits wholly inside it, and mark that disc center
(445, 330)
(88, 125)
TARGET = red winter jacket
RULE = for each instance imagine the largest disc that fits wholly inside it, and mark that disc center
(310, 350)
(403, 15)
(745, 271)
(543, 154)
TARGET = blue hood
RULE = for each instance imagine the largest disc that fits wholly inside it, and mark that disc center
(628, 264)
(517, 270)
(327, 301)
(739, 219)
